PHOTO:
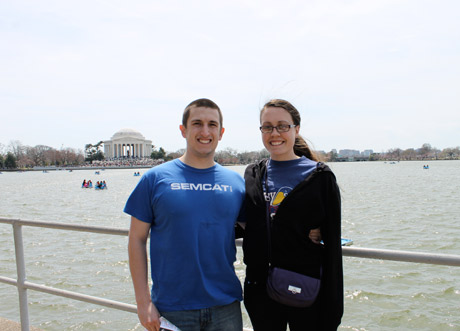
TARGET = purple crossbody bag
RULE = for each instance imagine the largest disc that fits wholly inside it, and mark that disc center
(284, 286)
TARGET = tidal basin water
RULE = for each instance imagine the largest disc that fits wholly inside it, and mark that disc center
(388, 206)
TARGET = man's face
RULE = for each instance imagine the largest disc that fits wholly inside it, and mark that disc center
(203, 131)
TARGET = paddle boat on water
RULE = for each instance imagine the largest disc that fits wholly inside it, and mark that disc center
(87, 184)
(426, 166)
(100, 185)
(136, 174)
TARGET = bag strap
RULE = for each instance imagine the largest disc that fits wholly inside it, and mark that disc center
(267, 213)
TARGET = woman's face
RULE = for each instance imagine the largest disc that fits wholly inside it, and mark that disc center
(280, 145)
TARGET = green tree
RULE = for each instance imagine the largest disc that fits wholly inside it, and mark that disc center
(99, 156)
(374, 157)
(10, 161)
(93, 153)
(160, 154)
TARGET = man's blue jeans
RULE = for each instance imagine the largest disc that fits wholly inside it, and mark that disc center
(219, 318)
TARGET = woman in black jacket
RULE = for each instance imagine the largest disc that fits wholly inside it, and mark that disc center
(303, 199)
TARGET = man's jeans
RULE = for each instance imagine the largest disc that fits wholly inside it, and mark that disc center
(219, 318)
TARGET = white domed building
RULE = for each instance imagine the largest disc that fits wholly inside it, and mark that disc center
(127, 143)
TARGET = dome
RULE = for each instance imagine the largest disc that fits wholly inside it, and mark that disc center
(128, 133)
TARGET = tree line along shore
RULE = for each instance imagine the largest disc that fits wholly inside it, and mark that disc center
(18, 156)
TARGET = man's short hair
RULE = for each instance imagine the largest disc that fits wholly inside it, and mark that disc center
(201, 103)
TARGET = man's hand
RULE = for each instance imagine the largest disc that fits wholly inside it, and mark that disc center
(149, 316)
(315, 235)
(146, 310)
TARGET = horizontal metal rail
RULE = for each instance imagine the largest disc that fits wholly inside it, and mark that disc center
(403, 256)
(72, 295)
(400, 256)
(370, 253)
(23, 285)
(66, 226)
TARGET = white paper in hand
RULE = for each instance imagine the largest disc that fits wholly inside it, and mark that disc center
(166, 325)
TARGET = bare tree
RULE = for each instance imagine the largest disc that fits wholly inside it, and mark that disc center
(16, 148)
(39, 155)
(409, 154)
(425, 151)
(227, 156)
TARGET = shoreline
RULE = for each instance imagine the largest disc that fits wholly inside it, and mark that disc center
(76, 168)
(54, 168)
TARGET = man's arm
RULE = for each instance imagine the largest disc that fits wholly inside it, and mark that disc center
(137, 251)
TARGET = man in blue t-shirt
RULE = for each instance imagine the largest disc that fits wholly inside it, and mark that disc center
(189, 206)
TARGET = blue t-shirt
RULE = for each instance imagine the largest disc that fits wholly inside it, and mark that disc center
(283, 176)
(192, 241)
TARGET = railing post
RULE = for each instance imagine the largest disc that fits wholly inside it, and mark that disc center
(21, 272)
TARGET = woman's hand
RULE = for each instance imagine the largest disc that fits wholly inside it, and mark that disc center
(315, 235)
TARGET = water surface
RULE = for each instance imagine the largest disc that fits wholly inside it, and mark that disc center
(389, 206)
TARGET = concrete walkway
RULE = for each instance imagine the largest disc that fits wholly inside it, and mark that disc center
(7, 325)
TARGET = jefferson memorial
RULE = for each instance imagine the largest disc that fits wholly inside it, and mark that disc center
(127, 143)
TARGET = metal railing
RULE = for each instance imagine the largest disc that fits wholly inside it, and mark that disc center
(23, 285)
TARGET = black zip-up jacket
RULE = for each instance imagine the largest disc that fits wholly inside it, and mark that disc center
(313, 203)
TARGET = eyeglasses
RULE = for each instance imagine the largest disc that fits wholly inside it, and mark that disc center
(280, 128)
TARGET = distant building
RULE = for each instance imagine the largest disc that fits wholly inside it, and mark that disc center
(127, 143)
(348, 153)
(367, 152)
(353, 155)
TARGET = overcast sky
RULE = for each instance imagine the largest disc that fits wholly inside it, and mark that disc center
(364, 74)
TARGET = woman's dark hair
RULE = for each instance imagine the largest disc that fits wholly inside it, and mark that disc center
(301, 147)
